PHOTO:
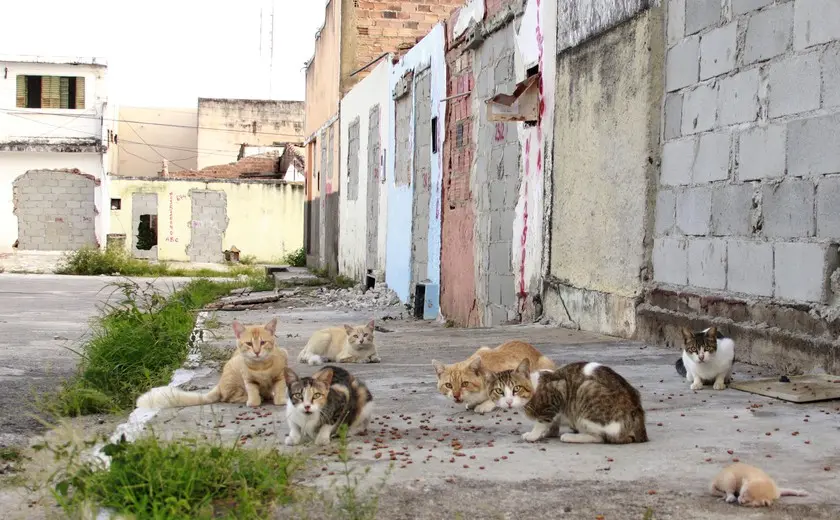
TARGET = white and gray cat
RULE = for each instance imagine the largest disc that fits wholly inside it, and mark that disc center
(706, 359)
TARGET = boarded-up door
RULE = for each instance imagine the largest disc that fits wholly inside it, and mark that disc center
(209, 223)
(373, 183)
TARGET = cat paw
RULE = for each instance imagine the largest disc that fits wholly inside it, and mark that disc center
(253, 403)
(374, 359)
(532, 436)
(720, 385)
(279, 402)
(731, 499)
(292, 441)
(697, 386)
(322, 441)
(487, 406)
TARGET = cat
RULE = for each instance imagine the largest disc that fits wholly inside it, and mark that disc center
(465, 381)
(749, 486)
(599, 404)
(317, 406)
(707, 358)
(253, 373)
(346, 344)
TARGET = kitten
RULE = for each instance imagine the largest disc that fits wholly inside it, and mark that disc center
(465, 381)
(707, 358)
(345, 344)
(320, 404)
(253, 373)
(749, 486)
(599, 404)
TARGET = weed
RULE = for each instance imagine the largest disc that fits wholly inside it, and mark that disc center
(217, 356)
(343, 282)
(248, 260)
(153, 479)
(10, 454)
(136, 345)
(296, 258)
(449, 324)
(648, 514)
(212, 322)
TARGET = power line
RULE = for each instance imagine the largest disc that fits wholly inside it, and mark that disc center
(153, 149)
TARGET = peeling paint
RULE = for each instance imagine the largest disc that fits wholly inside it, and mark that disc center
(472, 12)
(579, 20)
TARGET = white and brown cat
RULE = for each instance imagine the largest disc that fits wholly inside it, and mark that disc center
(346, 344)
(466, 381)
(749, 486)
(597, 403)
(255, 372)
(707, 358)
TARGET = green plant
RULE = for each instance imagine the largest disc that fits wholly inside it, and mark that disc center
(248, 260)
(152, 479)
(296, 258)
(135, 345)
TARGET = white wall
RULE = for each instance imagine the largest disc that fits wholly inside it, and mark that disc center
(17, 123)
(352, 242)
(15, 164)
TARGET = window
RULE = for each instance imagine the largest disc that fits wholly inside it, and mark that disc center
(434, 135)
(64, 92)
(116, 204)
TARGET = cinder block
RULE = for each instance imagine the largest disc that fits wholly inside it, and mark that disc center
(738, 98)
(677, 161)
(769, 33)
(813, 145)
(676, 21)
(712, 162)
(795, 85)
(717, 51)
(506, 231)
(699, 110)
(700, 14)
(670, 261)
(497, 194)
(816, 22)
(731, 207)
(828, 208)
(500, 261)
(666, 212)
(707, 263)
(673, 115)
(788, 209)
(761, 154)
(507, 285)
(750, 267)
(831, 77)
(683, 64)
(803, 271)
(745, 6)
(694, 210)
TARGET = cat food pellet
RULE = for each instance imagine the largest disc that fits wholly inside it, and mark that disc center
(768, 434)
(659, 424)
(504, 457)
(827, 468)
(651, 492)
(807, 442)
(734, 416)
(708, 459)
(331, 473)
(682, 415)
(481, 467)
(736, 459)
(610, 460)
(452, 460)
(795, 434)
(377, 455)
(510, 452)
(495, 460)
(769, 456)
(729, 452)
(466, 466)
(472, 457)
(324, 468)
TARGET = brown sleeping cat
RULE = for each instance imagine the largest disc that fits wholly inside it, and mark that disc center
(598, 404)
(345, 344)
(749, 486)
(253, 373)
(466, 381)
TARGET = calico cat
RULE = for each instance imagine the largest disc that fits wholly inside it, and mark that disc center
(599, 404)
(749, 486)
(346, 344)
(465, 381)
(253, 373)
(317, 406)
(707, 358)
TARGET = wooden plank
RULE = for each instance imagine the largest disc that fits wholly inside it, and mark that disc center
(800, 389)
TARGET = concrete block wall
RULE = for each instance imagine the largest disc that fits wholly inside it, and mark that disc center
(749, 193)
(55, 210)
(353, 159)
(208, 224)
(422, 179)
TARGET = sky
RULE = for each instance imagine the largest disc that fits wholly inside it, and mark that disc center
(168, 53)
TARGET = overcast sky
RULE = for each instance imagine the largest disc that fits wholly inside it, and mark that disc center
(167, 53)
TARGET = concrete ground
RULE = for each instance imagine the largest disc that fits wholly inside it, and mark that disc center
(42, 317)
(450, 463)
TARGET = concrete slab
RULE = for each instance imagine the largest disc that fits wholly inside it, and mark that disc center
(449, 462)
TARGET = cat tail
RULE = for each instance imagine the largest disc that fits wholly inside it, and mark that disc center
(171, 397)
(680, 365)
(785, 492)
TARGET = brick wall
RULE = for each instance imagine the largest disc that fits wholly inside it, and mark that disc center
(749, 192)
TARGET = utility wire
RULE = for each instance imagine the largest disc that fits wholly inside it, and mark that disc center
(152, 147)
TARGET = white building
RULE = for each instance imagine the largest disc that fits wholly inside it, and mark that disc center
(56, 129)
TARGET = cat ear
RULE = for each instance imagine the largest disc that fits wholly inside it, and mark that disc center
(475, 365)
(325, 375)
(348, 329)
(370, 325)
(439, 367)
(712, 333)
(524, 368)
(271, 326)
(687, 335)
(238, 329)
(290, 376)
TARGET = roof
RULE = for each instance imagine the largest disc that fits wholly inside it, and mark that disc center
(54, 60)
(253, 166)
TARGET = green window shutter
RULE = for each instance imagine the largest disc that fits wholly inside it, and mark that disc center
(80, 93)
(50, 92)
(20, 92)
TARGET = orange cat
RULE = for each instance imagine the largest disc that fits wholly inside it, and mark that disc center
(749, 486)
(466, 381)
(254, 372)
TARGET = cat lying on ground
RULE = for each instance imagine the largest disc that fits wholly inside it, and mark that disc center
(707, 359)
(346, 344)
(598, 404)
(253, 373)
(319, 405)
(749, 486)
(465, 381)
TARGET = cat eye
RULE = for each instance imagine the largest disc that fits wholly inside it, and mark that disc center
(497, 391)
(297, 397)
(448, 385)
(464, 384)
(250, 344)
(316, 396)
(262, 342)
(516, 389)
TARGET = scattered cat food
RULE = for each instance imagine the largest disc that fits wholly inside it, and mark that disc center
(481, 467)
(651, 492)
(784, 379)
(708, 459)
(807, 442)
(736, 459)
(827, 468)
(730, 452)
(659, 424)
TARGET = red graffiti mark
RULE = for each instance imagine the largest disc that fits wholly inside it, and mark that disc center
(539, 160)
(500, 132)
(59, 219)
(171, 237)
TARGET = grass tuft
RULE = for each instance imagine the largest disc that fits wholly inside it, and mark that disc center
(153, 479)
(296, 258)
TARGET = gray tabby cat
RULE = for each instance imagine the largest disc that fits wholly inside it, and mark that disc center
(598, 404)
(317, 406)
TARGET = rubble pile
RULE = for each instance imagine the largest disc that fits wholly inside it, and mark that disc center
(358, 297)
